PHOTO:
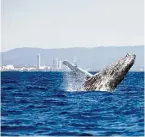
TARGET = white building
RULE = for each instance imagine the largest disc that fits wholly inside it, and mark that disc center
(75, 61)
(44, 67)
(55, 63)
(38, 61)
(9, 67)
(59, 64)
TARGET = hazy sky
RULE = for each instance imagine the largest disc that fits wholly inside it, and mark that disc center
(71, 23)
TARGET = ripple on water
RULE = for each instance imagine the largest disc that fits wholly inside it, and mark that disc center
(37, 103)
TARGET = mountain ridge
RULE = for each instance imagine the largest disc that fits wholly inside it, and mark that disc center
(71, 47)
(88, 58)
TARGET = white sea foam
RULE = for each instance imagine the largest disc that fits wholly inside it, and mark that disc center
(73, 82)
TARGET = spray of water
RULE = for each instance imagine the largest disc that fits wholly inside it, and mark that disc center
(73, 82)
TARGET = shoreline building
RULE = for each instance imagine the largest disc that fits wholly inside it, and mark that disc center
(38, 61)
(59, 64)
(75, 61)
(56, 64)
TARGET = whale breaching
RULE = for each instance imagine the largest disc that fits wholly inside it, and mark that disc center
(108, 78)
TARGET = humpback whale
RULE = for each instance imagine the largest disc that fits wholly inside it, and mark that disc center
(106, 79)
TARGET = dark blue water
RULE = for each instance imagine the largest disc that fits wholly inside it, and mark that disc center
(37, 103)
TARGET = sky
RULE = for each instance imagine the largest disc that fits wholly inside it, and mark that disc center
(71, 23)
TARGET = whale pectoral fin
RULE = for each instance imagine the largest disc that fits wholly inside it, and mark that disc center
(68, 64)
(77, 70)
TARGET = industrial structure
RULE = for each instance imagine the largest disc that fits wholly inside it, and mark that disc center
(56, 66)
(38, 62)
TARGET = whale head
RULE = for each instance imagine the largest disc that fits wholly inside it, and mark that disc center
(116, 72)
(110, 77)
(121, 67)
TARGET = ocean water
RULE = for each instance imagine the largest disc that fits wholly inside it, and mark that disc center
(50, 103)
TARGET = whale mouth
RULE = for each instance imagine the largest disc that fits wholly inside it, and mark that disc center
(129, 60)
(131, 56)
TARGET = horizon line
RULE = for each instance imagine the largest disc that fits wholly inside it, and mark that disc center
(72, 47)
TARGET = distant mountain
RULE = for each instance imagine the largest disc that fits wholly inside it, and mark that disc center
(89, 58)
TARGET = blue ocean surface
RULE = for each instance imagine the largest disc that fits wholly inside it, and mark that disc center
(50, 104)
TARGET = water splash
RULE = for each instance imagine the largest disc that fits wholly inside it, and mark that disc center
(73, 82)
